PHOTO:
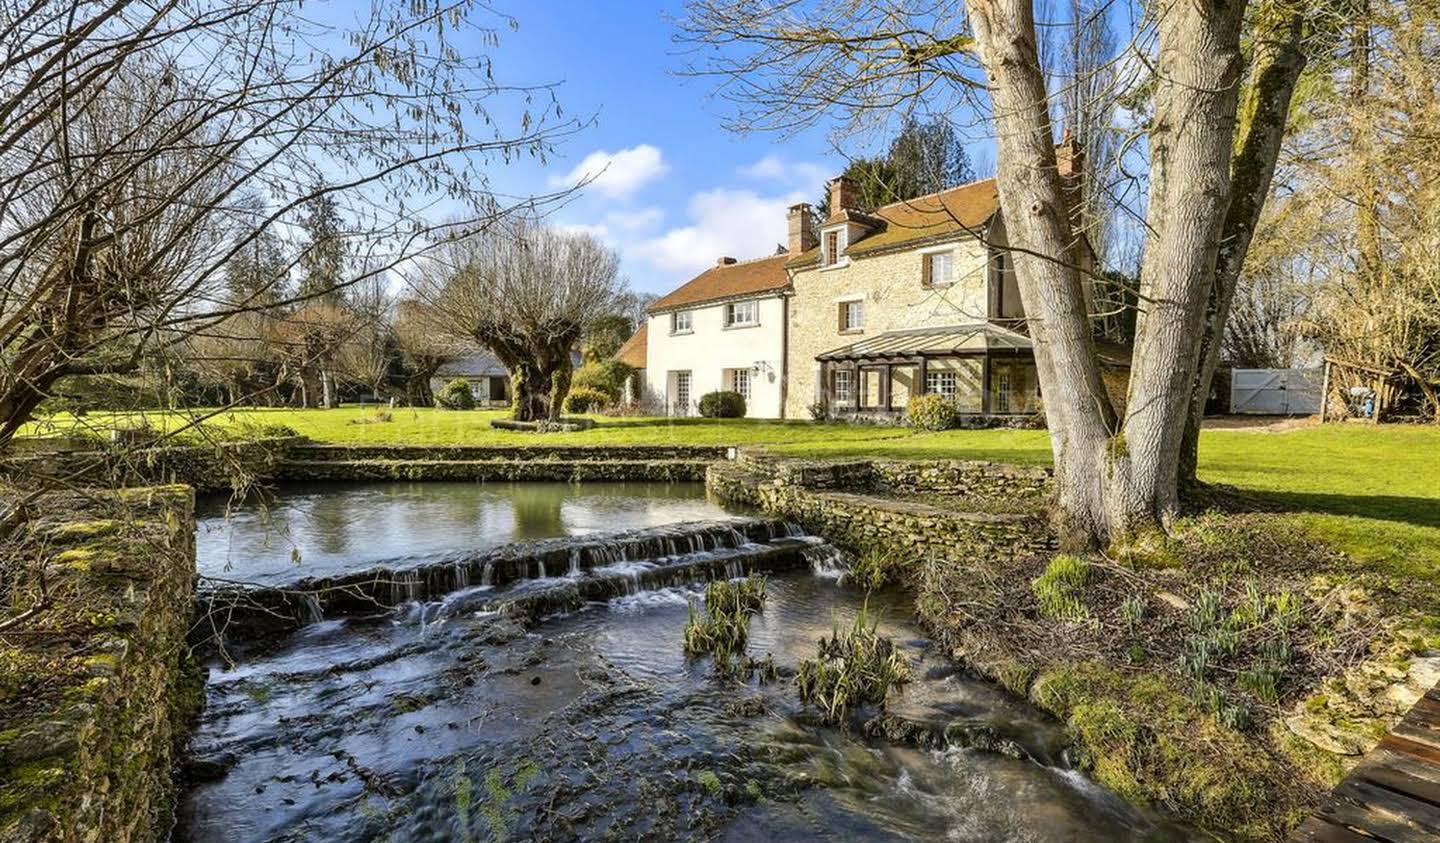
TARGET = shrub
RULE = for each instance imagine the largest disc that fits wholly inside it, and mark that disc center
(932, 412)
(820, 411)
(722, 405)
(583, 399)
(606, 376)
(455, 396)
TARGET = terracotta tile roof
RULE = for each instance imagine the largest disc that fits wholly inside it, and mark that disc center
(633, 351)
(728, 281)
(949, 212)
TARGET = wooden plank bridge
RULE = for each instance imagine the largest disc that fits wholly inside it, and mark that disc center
(1393, 796)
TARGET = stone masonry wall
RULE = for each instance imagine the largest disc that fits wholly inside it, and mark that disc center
(833, 500)
(95, 695)
(894, 297)
(206, 467)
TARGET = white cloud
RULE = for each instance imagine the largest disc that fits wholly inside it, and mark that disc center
(638, 220)
(617, 174)
(724, 221)
(800, 175)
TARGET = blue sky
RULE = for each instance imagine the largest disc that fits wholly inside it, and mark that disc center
(680, 190)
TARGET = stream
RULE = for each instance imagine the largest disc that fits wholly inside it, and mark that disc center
(451, 719)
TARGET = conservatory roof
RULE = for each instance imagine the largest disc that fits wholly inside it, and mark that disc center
(972, 338)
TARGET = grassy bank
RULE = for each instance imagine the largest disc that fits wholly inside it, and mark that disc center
(1371, 492)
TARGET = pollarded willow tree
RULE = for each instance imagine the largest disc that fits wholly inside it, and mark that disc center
(1218, 83)
(526, 292)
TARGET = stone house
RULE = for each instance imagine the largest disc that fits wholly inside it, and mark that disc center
(489, 380)
(918, 296)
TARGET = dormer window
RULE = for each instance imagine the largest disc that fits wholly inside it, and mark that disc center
(833, 247)
(939, 269)
(681, 322)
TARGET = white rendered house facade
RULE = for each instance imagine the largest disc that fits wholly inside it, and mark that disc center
(724, 330)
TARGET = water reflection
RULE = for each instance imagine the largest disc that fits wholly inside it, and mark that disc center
(312, 529)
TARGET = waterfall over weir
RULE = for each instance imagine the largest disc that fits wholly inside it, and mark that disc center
(531, 578)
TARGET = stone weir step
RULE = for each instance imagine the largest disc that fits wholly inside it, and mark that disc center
(528, 601)
(247, 610)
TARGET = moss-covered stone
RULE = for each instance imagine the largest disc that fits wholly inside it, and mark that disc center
(91, 716)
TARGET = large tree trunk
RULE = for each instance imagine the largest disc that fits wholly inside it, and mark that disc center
(327, 385)
(1276, 67)
(539, 377)
(1114, 480)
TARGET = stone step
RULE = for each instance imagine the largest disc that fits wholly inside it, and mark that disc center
(493, 469)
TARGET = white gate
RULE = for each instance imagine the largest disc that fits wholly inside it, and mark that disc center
(1276, 392)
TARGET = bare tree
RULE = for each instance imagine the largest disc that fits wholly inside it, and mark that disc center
(424, 347)
(527, 292)
(789, 66)
(136, 138)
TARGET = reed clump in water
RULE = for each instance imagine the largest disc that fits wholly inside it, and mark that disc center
(853, 668)
(723, 629)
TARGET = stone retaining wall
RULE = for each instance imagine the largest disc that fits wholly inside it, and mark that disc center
(95, 693)
(206, 467)
(529, 453)
(969, 478)
(810, 494)
(665, 471)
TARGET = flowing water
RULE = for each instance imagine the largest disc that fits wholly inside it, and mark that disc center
(453, 720)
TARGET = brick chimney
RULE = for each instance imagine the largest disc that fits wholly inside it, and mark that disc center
(802, 228)
(725, 260)
(1070, 158)
(1070, 165)
(844, 195)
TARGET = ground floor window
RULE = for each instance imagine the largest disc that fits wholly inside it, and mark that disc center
(499, 388)
(738, 380)
(844, 388)
(940, 383)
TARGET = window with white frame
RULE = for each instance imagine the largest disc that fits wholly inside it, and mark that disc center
(738, 380)
(681, 323)
(852, 316)
(940, 268)
(843, 386)
(940, 383)
(742, 313)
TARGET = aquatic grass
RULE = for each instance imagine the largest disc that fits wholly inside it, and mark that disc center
(871, 570)
(722, 630)
(851, 669)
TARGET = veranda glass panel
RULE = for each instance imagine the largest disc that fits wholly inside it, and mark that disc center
(869, 389)
(902, 384)
(1014, 387)
(959, 378)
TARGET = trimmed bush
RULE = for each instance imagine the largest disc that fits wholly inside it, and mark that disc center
(931, 412)
(607, 376)
(455, 396)
(722, 405)
(583, 399)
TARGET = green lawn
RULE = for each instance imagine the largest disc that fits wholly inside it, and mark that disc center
(1372, 492)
